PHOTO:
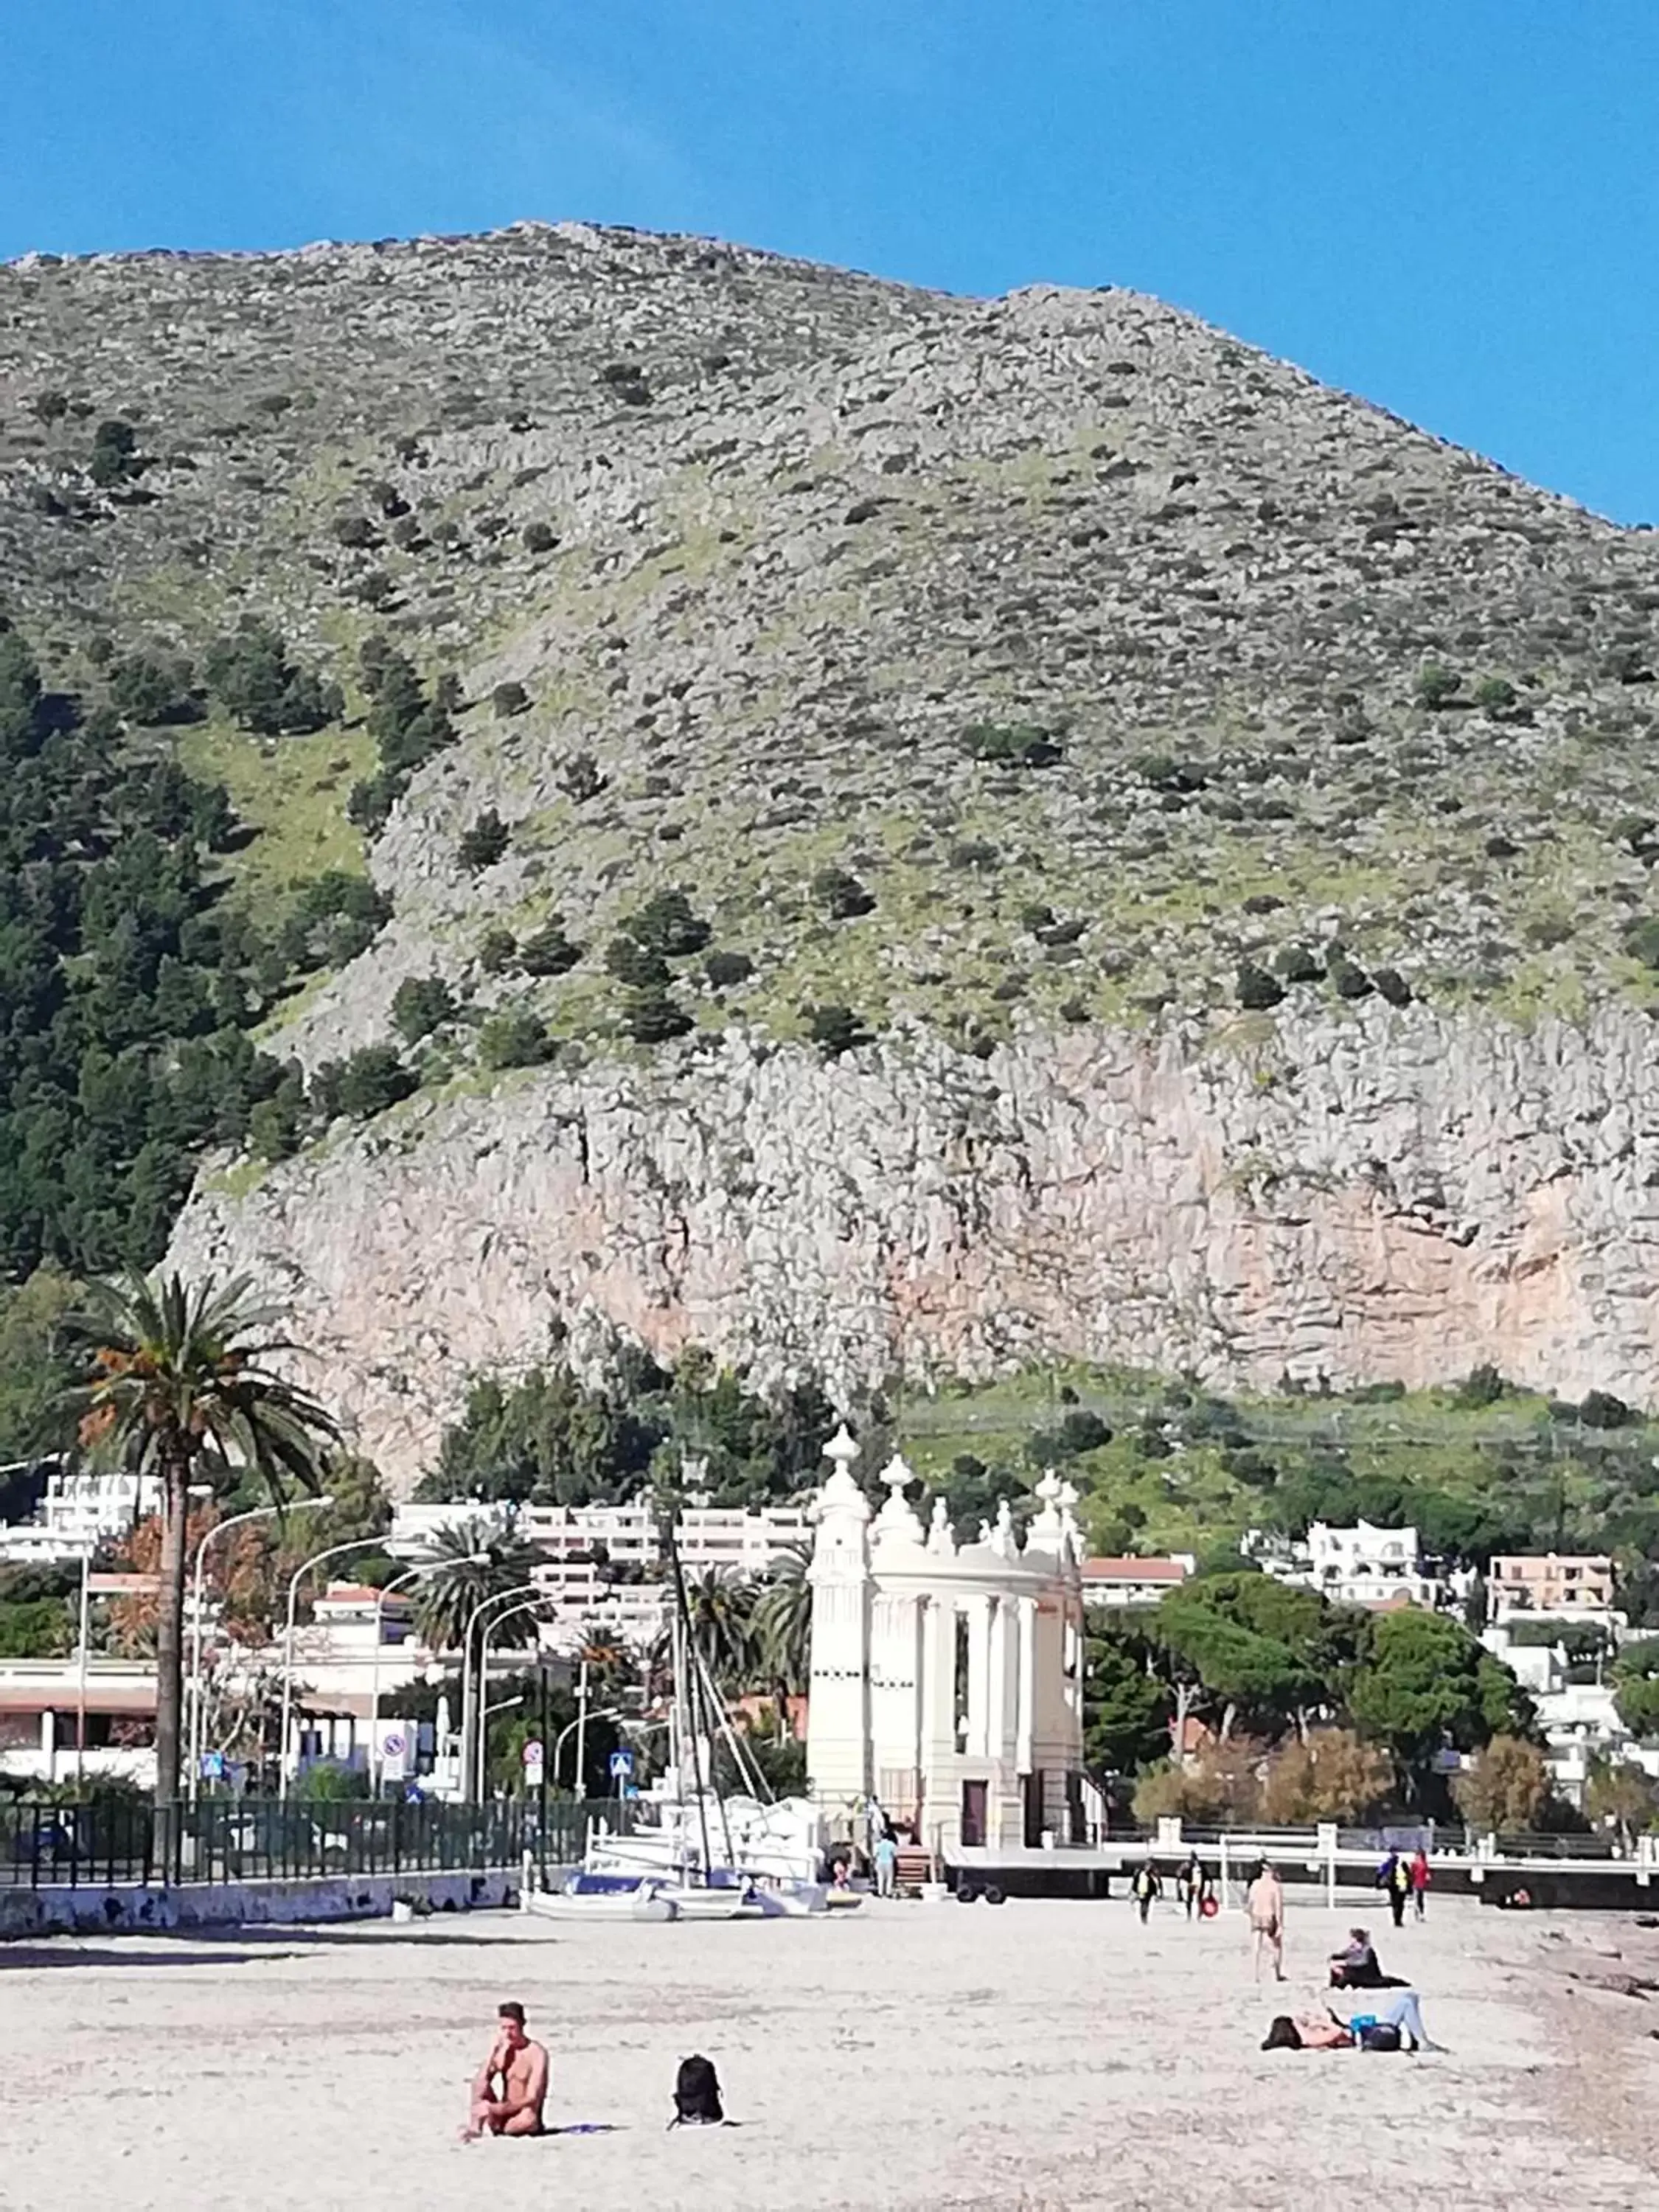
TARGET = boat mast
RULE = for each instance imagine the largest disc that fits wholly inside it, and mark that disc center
(684, 1681)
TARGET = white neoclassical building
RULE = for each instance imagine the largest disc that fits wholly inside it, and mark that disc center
(946, 1680)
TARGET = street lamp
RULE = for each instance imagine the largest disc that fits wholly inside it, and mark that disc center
(499, 1597)
(334, 1551)
(481, 1750)
(570, 1728)
(408, 1574)
(220, 1528)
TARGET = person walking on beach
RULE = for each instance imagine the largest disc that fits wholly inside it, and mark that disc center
(1399, 1885)
(511, 2088)
(1420, 1880)
(885, 1856)
(1144, 1888)
(1264, 1901)
(1189, 1882)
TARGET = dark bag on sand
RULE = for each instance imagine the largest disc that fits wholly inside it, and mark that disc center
(696, 2095)
(1380, 2035)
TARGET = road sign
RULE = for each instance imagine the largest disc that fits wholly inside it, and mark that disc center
(213, 1766)
(394, 1754)
(622, 1766)
(533, 1754)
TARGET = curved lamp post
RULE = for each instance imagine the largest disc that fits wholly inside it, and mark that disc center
(524, 1605)
(408, 1574)
(484, 1606)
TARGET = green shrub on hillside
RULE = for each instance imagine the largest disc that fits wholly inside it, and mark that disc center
(835, 1029)
(725, 970)
(256, 679)
(515, 1038)
(1012, 745)
(1437, 686)
(115, 458)
(548, 950)
(666, 924)
(420, 1004)
(1256, 988)
(363, 1085)
(151, 690)
(484, 843)
(637, 965)
(652, 1017)
(841, 894)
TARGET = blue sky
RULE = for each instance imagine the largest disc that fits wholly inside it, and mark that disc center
(1451, 206)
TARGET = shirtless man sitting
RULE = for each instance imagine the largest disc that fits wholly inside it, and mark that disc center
(519, 2067)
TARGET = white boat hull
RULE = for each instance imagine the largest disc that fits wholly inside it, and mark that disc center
(644, 1904)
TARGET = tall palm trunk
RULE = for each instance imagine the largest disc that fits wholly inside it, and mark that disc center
(170, 1628)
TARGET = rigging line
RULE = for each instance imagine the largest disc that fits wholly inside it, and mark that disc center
(683, 1616)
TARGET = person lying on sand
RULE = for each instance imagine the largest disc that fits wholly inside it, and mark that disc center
(1387, 2030)
(519, 2067)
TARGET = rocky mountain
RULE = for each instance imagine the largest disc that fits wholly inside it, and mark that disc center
(956, 830)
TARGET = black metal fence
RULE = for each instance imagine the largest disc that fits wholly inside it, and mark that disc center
(109, 1841)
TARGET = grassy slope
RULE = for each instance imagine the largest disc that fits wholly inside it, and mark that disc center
(292, 792)
(1190, 1500)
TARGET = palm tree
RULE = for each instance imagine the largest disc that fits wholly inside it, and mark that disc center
(783, 1615)
(720, 1611)
(178, 1369)
(475, 1566)
(783, 1625)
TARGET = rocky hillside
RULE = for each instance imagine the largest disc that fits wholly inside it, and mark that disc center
(941, 830)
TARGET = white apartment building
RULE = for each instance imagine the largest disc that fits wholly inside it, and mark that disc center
(1361, 1565)
(604, 1565)
(79, 1512)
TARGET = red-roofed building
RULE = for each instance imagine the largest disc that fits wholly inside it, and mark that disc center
(1109, 1581)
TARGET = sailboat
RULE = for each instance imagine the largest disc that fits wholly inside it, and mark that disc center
(705, 1856)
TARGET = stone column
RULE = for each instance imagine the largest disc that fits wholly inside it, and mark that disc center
(838, 1713)
(896, 1691)
(978, 1610)
(1027, 1685)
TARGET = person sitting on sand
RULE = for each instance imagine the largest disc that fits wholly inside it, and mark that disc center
(1356, 1966)
(519, 2067)
(1264, 1901)
(1387, 2030)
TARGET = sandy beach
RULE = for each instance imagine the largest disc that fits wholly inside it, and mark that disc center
(1042, 2055)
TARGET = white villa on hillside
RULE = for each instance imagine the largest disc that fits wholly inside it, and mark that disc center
(1362, 1565)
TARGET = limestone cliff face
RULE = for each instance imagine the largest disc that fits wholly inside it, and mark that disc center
(1364, 1194)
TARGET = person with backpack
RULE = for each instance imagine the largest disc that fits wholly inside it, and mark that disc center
(1146, 1884)
(697, 2095)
